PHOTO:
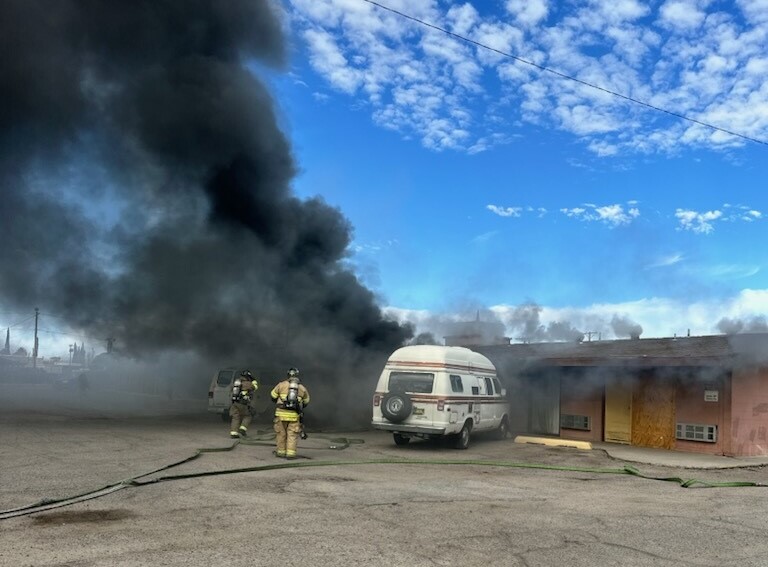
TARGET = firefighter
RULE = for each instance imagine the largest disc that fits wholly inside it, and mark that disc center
(243, 394)
(291, 397)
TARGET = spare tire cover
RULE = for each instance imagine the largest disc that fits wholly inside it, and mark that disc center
(396, 406)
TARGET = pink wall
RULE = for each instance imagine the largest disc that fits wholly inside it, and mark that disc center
(691, 407)
(578, 399)
(749, 415)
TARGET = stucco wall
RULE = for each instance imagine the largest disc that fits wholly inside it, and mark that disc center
(583, 395)
(691, 407)
(749, 412)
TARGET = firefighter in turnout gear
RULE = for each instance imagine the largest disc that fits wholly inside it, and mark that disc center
(291, 397)
(241, 412)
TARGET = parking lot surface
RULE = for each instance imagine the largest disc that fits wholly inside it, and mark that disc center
(354, 509)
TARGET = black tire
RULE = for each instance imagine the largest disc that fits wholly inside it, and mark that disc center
(401, 439)
(503, 431)
(396, 406)
(224, 416)
(461, 440)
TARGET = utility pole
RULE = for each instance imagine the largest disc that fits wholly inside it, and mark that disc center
(34, 349)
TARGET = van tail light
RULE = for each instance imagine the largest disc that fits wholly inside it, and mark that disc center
(440, 405)
(376, 400)
(210, 393)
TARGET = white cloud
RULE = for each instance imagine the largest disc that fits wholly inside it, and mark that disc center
(755, 11)
(505, 211)
(540, 211)
(329, 60)
(731, 271)
(372, 248)
(658, 316)
(462, 18)
(703, 222)
(665, 261)
(690, 57)
(528, 12)
(697, 222)
(682, 14)
(612, 215)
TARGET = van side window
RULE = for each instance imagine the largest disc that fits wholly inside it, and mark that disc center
(414, 382)
(497, 385)
(475, 390)
(488, 386)
(456, 385)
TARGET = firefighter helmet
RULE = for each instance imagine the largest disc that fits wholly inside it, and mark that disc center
(293, 373)
(246, 374)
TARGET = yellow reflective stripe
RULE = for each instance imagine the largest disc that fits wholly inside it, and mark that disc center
(286, 415)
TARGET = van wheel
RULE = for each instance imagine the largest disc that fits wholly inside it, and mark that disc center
(401, 439)
(503, 430)
(224, 416)
(461, 441)
(396, 406)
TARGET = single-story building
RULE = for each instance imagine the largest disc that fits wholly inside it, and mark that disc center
(699, 394)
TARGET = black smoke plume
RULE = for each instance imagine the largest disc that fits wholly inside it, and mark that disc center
(625, 327)
(756, 324)
(524, 322)
(146, 191)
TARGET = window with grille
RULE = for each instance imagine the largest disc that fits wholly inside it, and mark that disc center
(570, 421)
(697, 432)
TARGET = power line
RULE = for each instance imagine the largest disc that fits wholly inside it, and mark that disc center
(82, 337)
(20, 322)
(563, 75)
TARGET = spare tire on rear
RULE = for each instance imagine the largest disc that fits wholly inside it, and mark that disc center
(396, 406)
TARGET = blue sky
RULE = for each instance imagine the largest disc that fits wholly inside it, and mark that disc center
(474, 180)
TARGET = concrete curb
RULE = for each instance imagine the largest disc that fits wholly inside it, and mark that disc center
(554, 442)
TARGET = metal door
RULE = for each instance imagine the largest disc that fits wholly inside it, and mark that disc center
(618, 412)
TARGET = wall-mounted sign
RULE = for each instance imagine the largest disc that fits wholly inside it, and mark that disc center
(711, 395)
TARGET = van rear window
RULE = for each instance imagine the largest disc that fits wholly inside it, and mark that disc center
(225, 377)
(415, 382)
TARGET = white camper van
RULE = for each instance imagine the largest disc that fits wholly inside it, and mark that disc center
(220, 393)
(431, 391)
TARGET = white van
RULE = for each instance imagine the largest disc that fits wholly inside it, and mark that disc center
(220, 393)
(431, 391)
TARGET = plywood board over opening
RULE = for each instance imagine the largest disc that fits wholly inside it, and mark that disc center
(653, 411)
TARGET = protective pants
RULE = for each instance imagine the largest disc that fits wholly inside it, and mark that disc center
(241, 418)
(286, 434)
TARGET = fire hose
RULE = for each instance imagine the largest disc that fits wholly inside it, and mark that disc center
(337, 443)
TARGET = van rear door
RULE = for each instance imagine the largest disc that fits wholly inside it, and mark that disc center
(222, 390)
(415, 384)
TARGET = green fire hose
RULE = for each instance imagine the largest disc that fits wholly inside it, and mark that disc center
(338, 443)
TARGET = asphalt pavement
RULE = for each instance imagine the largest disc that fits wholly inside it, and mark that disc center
(355, 499)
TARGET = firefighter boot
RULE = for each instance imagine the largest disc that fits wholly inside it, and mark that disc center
(234, 435)
(243, 431)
